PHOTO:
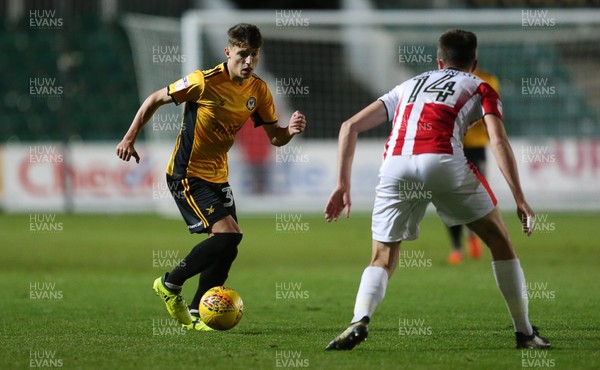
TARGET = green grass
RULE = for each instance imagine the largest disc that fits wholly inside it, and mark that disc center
(106, 315)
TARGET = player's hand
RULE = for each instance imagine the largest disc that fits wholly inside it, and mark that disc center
(297, 123)
(125, 151)
(527, 218)
(339, 199)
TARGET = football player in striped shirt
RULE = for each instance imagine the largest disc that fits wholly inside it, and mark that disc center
(424, 163)
(218, 102)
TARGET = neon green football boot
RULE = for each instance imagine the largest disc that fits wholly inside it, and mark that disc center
(174, 301)
(197, 324)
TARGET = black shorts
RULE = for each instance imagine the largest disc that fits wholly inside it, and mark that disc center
(202, 203)
(477, 157)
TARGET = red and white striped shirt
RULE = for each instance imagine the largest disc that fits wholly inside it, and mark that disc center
(431, 112)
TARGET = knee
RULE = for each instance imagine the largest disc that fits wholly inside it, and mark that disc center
(227, 225)
(386, 255)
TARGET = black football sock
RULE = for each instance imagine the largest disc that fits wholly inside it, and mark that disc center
(456, 235)
(203, 255)
(213, 276)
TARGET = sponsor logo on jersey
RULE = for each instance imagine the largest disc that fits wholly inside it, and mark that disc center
(198, 224)
(182, 84)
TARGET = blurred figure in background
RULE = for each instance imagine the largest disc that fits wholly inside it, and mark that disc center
(256, 152)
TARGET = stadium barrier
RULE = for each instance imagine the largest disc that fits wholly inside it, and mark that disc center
(557, 174)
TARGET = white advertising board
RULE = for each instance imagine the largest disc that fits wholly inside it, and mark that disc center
(84, 177)
(555, 174)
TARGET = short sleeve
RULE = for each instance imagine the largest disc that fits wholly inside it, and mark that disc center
(265, 112)
(189, 88)
(490, 101)
(391, 100)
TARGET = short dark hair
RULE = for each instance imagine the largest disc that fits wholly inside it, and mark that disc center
(457, 48)
(245, 35)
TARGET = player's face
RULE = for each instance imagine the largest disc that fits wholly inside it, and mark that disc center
(241, 62)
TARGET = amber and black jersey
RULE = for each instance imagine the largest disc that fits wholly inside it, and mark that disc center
(476, 136)
(216, 108)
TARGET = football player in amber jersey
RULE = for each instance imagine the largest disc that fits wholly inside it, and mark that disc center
(430, 114)
(218, 102)
(476, 139)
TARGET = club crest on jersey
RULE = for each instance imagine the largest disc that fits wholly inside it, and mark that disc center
(251, 103)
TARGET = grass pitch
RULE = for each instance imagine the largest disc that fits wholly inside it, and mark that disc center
(76, 294)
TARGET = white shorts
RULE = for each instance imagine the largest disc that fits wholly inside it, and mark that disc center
(407, 184)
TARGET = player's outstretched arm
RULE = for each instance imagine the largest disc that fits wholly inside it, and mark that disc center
(125, 149)
(280, 136)
(371, 116)
(508, 166)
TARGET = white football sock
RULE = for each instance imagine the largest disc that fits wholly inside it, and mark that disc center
(370, 292)
(511, 281)
(173, 287)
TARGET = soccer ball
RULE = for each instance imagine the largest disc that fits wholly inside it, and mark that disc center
(221, 308)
